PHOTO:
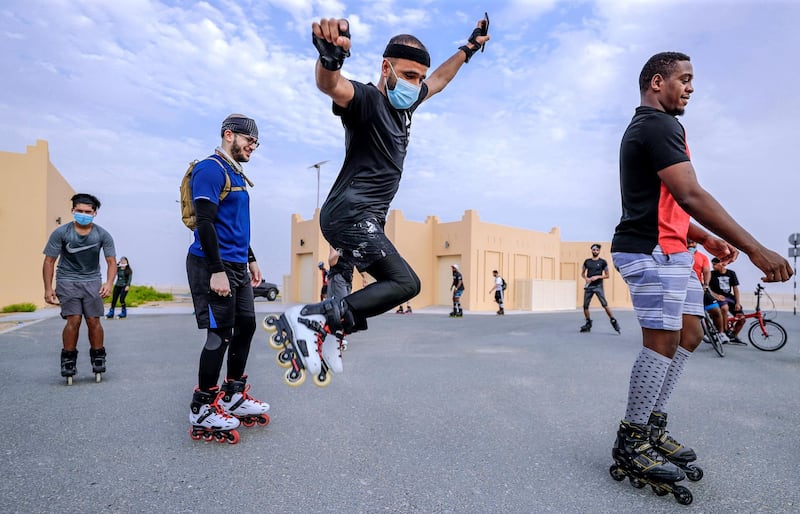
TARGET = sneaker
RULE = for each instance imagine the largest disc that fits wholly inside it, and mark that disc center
(732, 339)
(615, 325)
(723, 338)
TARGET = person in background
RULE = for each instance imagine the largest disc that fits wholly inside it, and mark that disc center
(121, 288)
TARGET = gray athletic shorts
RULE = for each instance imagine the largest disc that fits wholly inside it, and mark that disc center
(590, 291)
(80, 298)
(663, 287)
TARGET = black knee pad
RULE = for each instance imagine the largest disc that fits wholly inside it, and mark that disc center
(217, 338)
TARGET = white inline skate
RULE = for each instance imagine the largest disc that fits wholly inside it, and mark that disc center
(209, 420)
(238, 403)
(300, 336)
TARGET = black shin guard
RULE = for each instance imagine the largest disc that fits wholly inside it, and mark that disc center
(212, 356)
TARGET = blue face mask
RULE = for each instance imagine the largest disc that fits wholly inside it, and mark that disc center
(82, 219)
(404, 93)
(693, 249)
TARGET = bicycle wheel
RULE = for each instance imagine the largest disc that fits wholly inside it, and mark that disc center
(772, 338)
(712, 336)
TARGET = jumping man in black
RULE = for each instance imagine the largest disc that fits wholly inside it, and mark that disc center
(377, 120)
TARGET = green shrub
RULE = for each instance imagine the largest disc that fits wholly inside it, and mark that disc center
(138, 295)
(20, 307)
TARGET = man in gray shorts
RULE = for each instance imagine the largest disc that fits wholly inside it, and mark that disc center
(660, 194)
(79, 288)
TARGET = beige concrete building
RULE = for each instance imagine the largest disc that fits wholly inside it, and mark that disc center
(542, 272)
(34, 200)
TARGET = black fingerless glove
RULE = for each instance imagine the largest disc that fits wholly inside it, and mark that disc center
(473, 39)
(331, 56)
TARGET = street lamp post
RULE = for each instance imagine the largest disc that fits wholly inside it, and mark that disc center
(794, 251)
(317, 166)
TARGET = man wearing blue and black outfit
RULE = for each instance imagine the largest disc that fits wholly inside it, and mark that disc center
(222, 271)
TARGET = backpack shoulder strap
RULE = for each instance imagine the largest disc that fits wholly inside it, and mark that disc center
(227, 187)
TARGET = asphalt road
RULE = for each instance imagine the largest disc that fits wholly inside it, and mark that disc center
(482, 414)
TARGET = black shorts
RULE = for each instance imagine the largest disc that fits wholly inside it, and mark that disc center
(591, 291)
(361, 244)
(212, 310)
(709, 300)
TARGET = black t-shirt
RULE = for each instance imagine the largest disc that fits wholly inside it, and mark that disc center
(723, 284)
(376, 137)
(458, 281)
(594, 268)
(653, 141)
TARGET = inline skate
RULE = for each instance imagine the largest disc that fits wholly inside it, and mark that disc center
(110, 314)
(299, 336)
(635, 458)
(69, 363)
(670, 449)
(238, 403)
(123, 313)
(209, 420)
(587, 327)
(98, 359)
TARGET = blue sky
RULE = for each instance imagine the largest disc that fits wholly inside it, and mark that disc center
(128, 92)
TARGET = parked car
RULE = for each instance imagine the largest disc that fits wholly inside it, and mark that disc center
(266, 289)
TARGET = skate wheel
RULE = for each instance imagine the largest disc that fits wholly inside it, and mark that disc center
(69, 381)
(276, 341)
(294, 378)
(98, 377)
(682, 495)
(195, 435)
(284, 359)
(263, 420)
(208, 436)
(233, 437)
(269, 324)
(659, 491)
(616, 473)
(248, 422)
(694, 473)
(323, 379)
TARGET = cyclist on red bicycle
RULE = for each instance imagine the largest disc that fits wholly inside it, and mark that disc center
(702, 268)
(724, 285)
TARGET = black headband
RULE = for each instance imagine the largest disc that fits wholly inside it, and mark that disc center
(408, 52)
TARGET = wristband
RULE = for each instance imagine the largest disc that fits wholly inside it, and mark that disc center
(331, 56)
(469, 51)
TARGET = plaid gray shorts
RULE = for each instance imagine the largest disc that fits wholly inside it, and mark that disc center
(663, 287)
